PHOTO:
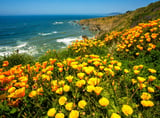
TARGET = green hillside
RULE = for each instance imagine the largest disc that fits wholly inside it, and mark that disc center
(127, 20)
(116, 76)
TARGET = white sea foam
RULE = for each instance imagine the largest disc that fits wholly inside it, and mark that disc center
(46, 34)
(22, 47)
(5, 53)
(32, 51)
(6, 50)
(70, 22)
(57, 23)
(63, 47)
(68, 40)
(19, 45)
(73, 22)
(55, 32)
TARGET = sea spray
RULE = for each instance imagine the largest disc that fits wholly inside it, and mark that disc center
(37, 34)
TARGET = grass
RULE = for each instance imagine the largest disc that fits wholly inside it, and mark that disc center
(16, 59)
(114, 76)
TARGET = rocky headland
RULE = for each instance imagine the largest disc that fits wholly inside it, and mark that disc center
(121, 21)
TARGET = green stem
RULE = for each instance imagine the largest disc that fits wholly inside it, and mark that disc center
(132, 95)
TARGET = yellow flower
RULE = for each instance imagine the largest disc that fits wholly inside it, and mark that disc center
(141, 85)
(54, 82)
(151, 78)
(96, 63)
(22, 84)
(32, 94)
(23, 79)
(59, 91)
(40, 91)
(61, 83)
(93, 81)
(150, 103)
(127, 110)
(134, 81)
(141, 66)
(98, 90)
(60, 69)
(152, 70)
(51, 112)
(100, 74)
(117, 68)
(88, 69)
(126, 70)
(52, 61)
(5, 63)
(66, 88)
(141, 79)
(147, 103)
(69, 78)
(69, 106)
(11, 90)
(89, 61)
(136, 72)
(74, 66)
(110, 66)
(137, 53)
(114, 115)
(11, 77)
(81, 75)
(59, 115)
(101, 67)
(82, 104)
(103, 101)
(74, 114)
(144, 103)
(20, 92)
(90, 88)
(62, 100)
(60, 65)
(49, 72)
(11, 95)
(119, 64)
(135, 67)
(150, 89)
(46, 77)
(80, 83)
(145, 96)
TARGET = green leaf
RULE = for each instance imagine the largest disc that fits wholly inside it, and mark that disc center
(13, 110)
(45, 116)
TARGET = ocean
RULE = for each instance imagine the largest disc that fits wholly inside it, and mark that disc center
(38, 33)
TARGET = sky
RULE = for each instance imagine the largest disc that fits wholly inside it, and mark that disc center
(39, 7)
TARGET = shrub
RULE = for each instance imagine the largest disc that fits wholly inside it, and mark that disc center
(16, 59)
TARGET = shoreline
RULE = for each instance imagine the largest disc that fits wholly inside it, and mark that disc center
(35, 38)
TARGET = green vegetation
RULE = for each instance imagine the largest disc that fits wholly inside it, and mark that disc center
(16, 59)
(123, 21)
(115, 76)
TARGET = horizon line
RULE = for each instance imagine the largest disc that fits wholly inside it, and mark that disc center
(60, 14)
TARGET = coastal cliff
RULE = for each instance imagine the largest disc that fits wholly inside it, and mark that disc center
(121, 21)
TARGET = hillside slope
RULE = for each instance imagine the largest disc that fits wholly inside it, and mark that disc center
(115, 77)
(127, 20)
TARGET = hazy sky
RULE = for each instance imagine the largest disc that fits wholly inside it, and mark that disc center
(20, 7)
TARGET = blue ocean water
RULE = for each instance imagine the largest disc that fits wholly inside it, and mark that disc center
(37, 34)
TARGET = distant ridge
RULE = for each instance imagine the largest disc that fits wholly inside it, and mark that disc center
(121, 21)
(113, 14)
